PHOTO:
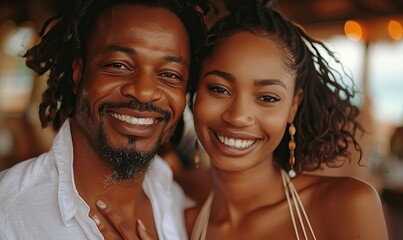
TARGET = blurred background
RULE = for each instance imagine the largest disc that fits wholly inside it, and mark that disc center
(367, 36)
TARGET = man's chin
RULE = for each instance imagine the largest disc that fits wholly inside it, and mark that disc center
(128, 162)
(128, 165)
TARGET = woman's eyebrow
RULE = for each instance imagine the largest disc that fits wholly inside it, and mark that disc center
(266, 82)
(225, 75)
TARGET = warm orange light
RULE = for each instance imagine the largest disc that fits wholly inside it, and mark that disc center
(395, 30)
(353, 30)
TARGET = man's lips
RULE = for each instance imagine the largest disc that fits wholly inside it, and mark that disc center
(134, 120)
(135, 123)
(131, 112)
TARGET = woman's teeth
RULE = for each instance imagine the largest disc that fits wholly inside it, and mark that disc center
(133, 120)
(235, 143)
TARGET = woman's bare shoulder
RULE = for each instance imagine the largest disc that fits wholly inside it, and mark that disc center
(349, 192)
(351, 207)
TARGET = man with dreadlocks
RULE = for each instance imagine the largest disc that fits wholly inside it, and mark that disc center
(118, 73)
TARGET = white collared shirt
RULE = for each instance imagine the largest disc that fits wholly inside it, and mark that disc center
(39, 200)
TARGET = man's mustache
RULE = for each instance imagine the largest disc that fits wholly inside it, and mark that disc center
(135, 105)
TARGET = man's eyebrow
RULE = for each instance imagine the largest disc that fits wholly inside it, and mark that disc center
(175, 59)
(131, 51)
(116, 48)
(266, 82)
(225, 75)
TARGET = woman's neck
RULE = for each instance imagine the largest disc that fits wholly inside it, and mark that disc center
(237, 193)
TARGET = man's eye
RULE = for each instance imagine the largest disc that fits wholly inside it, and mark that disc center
(170, 75)
(174, 79)
(116, 65)
(118, 68)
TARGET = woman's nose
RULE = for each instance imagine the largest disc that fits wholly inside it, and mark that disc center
(239, 113)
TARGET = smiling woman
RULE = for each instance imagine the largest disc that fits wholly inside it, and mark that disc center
(243, 100)
(268, 110)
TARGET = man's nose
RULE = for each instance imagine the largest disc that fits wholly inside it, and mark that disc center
(143, 86)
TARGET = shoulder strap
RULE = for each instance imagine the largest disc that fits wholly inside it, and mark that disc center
(297, 203)
(200, 228)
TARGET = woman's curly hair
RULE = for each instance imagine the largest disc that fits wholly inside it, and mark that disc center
(326, 119)
(67, 37)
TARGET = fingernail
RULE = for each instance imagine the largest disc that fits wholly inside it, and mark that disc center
(96, 220)
(141, 224)
(101, 204)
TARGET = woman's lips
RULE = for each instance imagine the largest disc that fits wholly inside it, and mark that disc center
(235, 142)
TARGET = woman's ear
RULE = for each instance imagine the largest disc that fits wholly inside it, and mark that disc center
(299, 95)
(77, 73)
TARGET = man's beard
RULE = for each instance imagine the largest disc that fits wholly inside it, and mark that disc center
(128, 163)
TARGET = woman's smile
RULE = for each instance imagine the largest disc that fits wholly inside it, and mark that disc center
(234, 142)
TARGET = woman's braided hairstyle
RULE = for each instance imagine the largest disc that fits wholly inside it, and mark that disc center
(326, 119)
(67, 37)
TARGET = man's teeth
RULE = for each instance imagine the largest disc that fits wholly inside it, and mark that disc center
(233, 142)
(133, 120)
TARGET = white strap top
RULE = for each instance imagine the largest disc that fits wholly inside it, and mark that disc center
(294, 203)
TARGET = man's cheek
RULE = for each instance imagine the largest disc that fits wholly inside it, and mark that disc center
(167, 133)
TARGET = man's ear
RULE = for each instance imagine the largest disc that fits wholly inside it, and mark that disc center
(77, 73)
(299, 95)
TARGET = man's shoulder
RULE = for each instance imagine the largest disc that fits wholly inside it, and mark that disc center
(23, 176)
(24, 169)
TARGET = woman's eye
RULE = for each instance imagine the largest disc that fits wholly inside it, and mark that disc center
(269, 98)
(218, 89)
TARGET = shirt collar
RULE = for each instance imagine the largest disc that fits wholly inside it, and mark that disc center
(158, 184)
(63, 156)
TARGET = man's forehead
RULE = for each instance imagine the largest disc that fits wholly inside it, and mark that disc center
(141, 16)
(137, 11)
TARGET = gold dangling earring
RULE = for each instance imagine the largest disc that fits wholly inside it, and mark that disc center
(291, 146)
(196, 158)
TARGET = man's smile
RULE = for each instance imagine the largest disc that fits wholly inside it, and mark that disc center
(133, 120)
